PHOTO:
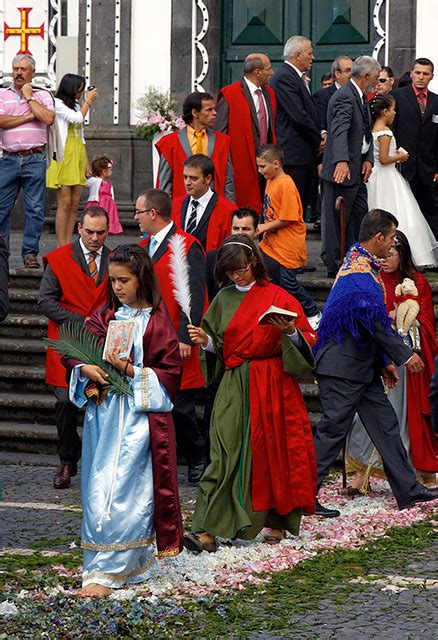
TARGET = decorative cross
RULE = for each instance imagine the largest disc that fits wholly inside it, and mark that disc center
(24, 30)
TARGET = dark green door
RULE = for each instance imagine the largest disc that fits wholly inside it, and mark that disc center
(334, 27)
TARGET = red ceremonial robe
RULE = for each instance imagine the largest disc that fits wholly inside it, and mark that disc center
(80, 294)
(243, 151)
(218, 225)
(170, 147)
(423, 441)
(284, 472)
(161, 354)
(192, 377)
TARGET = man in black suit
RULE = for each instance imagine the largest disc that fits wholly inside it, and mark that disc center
(72, 287)
(416, 130)
(298, 129)
(348, 160)
(357, 349)
(341, 73)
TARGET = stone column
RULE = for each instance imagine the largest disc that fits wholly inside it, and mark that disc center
(402, 21)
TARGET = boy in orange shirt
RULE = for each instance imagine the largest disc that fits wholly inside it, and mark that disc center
(283, 230)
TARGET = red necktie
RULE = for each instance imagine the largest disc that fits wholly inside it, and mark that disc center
(263, 119)
(422, 102)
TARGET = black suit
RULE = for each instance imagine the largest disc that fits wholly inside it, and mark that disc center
(349, 383)
(201, 229)
(298, 128)
(346, 122)
(419, 136)
(49, 296)
(322, 99)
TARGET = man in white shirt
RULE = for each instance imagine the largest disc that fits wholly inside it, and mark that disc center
(348, 160)
(73, 285)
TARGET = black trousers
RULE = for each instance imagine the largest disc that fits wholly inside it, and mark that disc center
(427, 198)
(189, 438)
(340, 400)
(356, 206)
(66, 416)
(303, 176)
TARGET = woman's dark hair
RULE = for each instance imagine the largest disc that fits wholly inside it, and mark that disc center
(407, 267)
(137, 260)
(378, 104)
(236, 252)
(68, 87)
(389, 71)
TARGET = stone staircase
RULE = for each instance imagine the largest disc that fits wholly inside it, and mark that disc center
(27, 404)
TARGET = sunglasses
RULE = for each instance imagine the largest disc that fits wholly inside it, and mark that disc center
(382, 80)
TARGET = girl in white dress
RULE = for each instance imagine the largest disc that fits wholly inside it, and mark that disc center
(387, 189)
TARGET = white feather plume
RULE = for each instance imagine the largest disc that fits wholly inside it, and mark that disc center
(179, 273)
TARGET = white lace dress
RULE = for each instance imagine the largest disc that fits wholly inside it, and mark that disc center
(387, 189)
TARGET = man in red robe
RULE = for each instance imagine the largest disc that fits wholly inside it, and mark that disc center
(153, 213)
(202, 213)
(246, 111)
(72, 287)
(199, 114)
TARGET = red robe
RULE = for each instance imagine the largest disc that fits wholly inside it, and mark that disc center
(161, 353)
(80, 294)
(170, 147)
(284, 472)
(219, 224)
(192, 373)
(243, 151)
(423, 441)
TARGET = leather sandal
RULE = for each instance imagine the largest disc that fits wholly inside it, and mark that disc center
(268, 539)
(192, 543)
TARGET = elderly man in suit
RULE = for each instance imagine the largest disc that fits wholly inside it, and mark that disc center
(356, 348)
(341, 73)
(74, 284)
(348, 160)
(246, 111)
(199, 114)
(298, 129)
(416, 130)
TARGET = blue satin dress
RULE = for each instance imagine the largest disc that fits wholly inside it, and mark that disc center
(116, 476)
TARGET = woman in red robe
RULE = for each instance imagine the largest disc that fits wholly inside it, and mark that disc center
(263, 469)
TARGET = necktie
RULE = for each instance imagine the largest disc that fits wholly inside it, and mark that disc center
(92, 266)
(366, 128)
(263, 119)
(198, 136)
(191, 222)
(306, 84)
(152, 246)
(422, 102)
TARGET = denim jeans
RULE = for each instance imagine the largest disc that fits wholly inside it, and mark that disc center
(288, 280)
(27, 173)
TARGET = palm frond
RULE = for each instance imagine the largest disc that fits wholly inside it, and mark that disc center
(75, 341)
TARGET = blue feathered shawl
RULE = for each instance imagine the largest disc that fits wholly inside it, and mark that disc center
(356, 302)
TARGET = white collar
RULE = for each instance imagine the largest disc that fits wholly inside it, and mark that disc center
(300, 73)
(160, 235)
(358, 89)
(337, 85)
(251, 86)
(246, 288)
(203, 200)
(86, 251)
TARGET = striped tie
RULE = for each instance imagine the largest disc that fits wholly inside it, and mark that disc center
(191, 222)
(92, 266)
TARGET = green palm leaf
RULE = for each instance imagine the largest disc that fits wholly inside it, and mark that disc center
(75, 341)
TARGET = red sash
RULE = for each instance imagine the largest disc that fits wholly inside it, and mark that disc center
(283, 457)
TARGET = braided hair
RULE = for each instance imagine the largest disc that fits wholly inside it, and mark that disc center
(378, 104)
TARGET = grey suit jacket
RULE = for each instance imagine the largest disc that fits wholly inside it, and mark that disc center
(345, 130)
(51, 292)
(349, 362)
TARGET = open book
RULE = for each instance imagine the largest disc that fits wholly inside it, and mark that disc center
(275, 312)
(120, 337)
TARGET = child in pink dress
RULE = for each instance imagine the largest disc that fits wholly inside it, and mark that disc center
(101, 191)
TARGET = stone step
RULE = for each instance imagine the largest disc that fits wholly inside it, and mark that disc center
(23, 352)
(23, 301)
(20, 278)
(27, 407)
(23, 379)
(23, 326)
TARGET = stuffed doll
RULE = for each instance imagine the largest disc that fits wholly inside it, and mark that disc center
(407, 306)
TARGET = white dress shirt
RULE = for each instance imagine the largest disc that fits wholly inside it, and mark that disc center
(87, 252)
(159, 237)
(202, 205)
(255, 98)
(365, 144)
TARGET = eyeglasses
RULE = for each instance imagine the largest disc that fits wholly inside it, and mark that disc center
(239, 272)
(137, 212)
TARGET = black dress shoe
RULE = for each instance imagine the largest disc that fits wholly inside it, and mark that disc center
(195, 472)
(425, 495)
(324, 512)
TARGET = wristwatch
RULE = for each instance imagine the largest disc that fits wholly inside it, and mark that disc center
(29, 99)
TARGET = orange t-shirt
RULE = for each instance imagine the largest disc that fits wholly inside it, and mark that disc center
(287, 244)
